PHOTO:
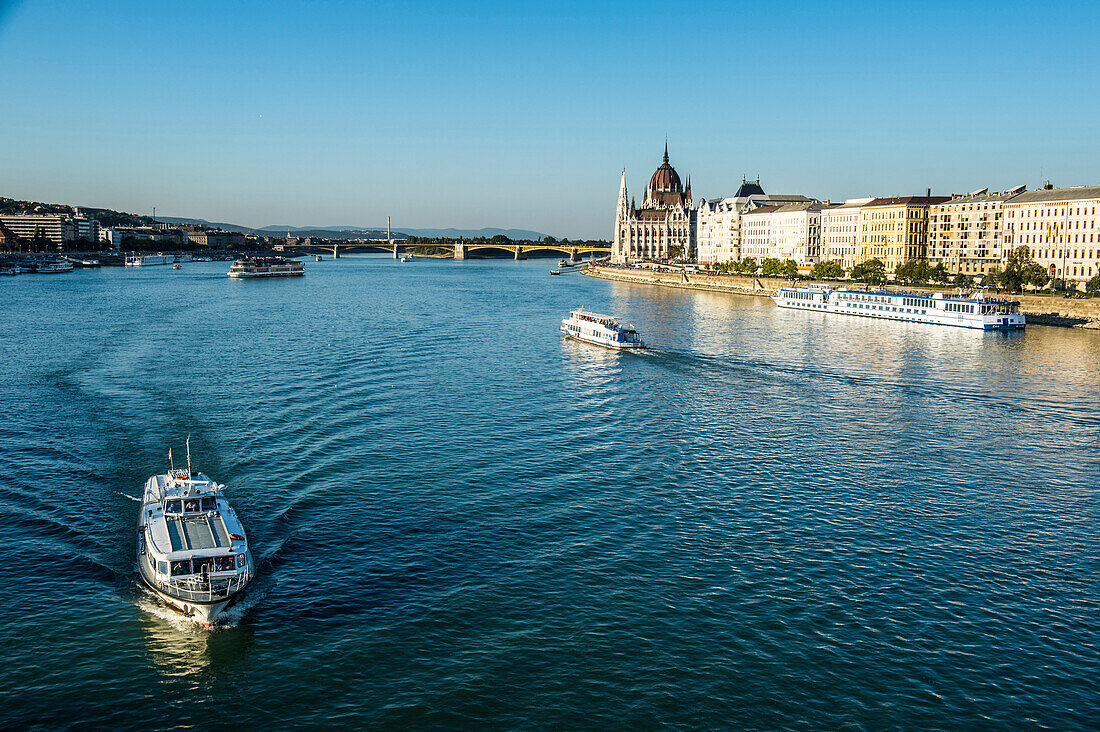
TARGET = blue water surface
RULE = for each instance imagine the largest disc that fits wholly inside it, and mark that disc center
(772, 520)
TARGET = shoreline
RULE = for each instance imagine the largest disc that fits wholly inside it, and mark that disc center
(1038, 310)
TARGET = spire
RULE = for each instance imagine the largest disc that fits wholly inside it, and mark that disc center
(666, 150)
(622, 193)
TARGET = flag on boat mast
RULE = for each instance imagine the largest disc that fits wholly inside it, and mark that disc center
(171, 464)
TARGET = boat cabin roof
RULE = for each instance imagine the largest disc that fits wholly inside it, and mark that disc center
(594, 317)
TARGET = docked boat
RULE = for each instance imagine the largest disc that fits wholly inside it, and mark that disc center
(54, 267)
(565, 263)
(602, 330)
(146, 260)
(973, 310)
(257, 267)
(192, 549)
(10, 271)
(555, 272)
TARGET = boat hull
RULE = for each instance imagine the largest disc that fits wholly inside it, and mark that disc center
(609, 346)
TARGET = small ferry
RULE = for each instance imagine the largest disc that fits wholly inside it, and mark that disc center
(566, 263)
(54, 267)
(973, 310)
(602, 330)
(147, 260)
(177, 265)
(320, 258)
(192, 549)
(256, 267)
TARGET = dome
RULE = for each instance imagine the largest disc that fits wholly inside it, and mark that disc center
(665, 177)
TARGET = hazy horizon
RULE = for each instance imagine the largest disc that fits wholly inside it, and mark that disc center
(463, 115)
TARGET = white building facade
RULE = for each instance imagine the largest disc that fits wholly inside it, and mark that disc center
(787, 231)
(1060, 227)
(840, 232)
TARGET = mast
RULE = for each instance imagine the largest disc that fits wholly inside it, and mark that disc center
(189, 456)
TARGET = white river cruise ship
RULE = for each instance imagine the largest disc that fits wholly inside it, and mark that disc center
(602, 330)
(255, 267)
(937, 308)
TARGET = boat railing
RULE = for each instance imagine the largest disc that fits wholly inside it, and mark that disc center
(207, 589)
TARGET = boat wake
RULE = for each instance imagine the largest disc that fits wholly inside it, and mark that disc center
(126, 495)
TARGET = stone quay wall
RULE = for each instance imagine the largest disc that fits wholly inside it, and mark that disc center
(1039, 309)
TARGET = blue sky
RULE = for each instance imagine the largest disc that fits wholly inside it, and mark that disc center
(517, 115)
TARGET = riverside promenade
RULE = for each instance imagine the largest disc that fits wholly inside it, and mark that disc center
(1039, 309)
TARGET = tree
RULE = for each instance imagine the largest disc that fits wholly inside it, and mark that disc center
(939, 274)
(747, 265)
(1093, 285)
(962, 280)
(828, 270)
(790, 268)
(1036, 275)
(873, 271)
(1017, 263)
(771, 266)
(913, 270)
(993, 276)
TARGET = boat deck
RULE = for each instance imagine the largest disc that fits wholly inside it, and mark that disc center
(197, 532)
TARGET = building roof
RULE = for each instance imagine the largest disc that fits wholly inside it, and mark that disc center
(984, 196)
(907, 201)
(1058, 194)
(763, 210)
(850, 203)
(748, 188)
(665, 177)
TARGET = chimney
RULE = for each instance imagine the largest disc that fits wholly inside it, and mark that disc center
(928, 192)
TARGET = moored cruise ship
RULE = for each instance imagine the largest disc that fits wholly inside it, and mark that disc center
(192, 550)
(937, 308)
(255, 267)
(602, 330)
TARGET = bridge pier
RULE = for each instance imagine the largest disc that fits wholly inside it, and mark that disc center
(395, 250)
(519, 253)
(573, 254)
(460, 249)
(335, 251)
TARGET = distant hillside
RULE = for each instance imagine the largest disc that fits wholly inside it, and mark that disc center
(203, 222)
(488, 232)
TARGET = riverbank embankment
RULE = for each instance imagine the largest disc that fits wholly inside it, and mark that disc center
(1039, 309)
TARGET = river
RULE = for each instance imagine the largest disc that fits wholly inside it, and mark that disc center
(773, 519)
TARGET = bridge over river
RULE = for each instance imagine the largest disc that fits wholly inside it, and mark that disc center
(459, 249)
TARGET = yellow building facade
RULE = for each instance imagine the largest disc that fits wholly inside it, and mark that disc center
(895, 229)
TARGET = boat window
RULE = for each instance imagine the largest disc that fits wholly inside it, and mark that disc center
(173, 506)
(181, 567)
(240, 560)
(162, 567)
(202, 564)
(224, 564)
(209, 503)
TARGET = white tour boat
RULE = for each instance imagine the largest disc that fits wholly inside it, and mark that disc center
(147, 260)
(192, 550)
(973, 310)
(603, 330)
(55, 267)
(255, 267)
